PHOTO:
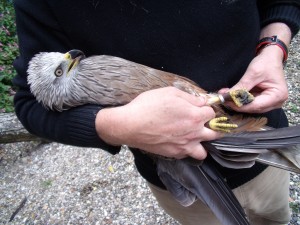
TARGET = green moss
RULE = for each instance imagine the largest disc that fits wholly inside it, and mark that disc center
(8, 52)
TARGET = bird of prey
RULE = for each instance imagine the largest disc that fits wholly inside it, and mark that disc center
(61, 81)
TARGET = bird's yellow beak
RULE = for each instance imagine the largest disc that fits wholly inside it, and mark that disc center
(74, 57)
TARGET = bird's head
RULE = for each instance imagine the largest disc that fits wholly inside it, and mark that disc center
(50, 75)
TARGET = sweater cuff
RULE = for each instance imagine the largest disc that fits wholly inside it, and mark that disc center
(82, 130)
(288, 14)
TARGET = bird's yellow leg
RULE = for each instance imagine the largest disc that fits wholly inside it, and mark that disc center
(219, 124)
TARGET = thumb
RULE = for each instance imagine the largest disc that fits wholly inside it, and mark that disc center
(223, 90)
(251, 78)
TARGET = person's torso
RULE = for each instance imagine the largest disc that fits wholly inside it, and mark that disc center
(210, 42)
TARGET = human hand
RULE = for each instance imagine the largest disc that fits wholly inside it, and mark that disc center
(163, 121)
(264, 78)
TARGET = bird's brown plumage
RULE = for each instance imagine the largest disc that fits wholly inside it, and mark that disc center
(109, 80)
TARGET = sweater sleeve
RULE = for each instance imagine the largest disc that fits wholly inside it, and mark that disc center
(38, 31)
(284, 11)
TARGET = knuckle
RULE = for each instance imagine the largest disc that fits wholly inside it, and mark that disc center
(194, 116)
(179, 153)
(183, 142)
(199, 152)
(254, 107)
(281, 97)
(259, 108)
(203, 114)
(212, 112)
(208, 114)
(190, 137)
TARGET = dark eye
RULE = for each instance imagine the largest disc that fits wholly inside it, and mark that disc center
(58, 72)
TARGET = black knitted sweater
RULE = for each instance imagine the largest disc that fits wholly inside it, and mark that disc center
(209, 41)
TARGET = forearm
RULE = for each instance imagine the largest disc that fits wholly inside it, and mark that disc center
(110, 127)
(281, 30)
(281, 19)
(278, 11)
(73, 127)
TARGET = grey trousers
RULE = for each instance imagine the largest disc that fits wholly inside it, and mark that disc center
(264, 198)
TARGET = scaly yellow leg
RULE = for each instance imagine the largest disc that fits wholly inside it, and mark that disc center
(218, 124)
(240, 97)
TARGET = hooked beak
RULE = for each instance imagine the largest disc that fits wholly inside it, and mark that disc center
(74, 56)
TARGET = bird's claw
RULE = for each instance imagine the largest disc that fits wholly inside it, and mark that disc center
(241, 97)
(219, 124)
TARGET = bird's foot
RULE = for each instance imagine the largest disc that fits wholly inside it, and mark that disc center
(221, 124)
(241, 97)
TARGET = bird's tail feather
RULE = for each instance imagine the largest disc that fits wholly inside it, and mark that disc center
(281, 158)
(207, 184)
(271, 134)
(241, 150)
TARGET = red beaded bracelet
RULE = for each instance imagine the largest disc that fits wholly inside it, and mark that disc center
(266, 41)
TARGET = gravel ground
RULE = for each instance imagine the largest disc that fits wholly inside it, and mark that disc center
(50, 183)
(292, 108)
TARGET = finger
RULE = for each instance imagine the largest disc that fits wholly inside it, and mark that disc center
(198, 152)
(208, 134)
(204, 114)
(261, 104)
(249, 80)
(201, 134)
(192, 99)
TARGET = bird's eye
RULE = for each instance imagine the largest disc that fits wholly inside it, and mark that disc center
(58, 72)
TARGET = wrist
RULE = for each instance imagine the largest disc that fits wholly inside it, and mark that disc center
(283, 33)
(273, 41)
(272, 55)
